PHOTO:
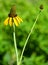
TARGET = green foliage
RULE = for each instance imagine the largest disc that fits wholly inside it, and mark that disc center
(36, 52)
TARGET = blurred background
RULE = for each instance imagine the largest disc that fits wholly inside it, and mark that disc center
(36, 52)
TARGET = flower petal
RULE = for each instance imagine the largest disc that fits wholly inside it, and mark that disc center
(15, 21)
(10, 21)
(6, 21)
(20, 19)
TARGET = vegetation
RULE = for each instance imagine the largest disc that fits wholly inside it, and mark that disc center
(36, 51)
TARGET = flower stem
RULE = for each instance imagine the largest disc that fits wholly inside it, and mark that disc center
(15, 44)
(28, 37)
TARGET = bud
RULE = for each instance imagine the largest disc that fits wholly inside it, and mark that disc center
(41, 6)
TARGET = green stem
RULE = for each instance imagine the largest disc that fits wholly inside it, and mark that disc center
(28, 38)
(15, 44)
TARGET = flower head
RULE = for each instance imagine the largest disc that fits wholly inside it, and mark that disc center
(41, 6)
(13, 18)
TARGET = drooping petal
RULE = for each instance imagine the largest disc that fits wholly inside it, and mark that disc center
(6, 21)
(19, 19)
(10, 21)
(15, 21)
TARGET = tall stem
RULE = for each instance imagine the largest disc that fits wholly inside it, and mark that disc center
(28, 37)
(15, 44)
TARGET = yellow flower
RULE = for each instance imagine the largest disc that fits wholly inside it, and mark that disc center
(13, 18)
(10, 20)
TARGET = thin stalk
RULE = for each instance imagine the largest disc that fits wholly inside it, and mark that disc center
(28, 37)
(15, 44)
